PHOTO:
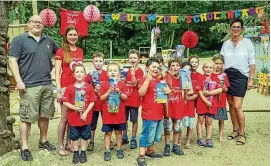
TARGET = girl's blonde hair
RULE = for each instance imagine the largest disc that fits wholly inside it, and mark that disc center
(218, 56)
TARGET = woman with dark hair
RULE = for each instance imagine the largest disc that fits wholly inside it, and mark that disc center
(66, 58)
(239, 56)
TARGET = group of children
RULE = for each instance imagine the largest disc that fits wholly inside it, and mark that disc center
(207, 98)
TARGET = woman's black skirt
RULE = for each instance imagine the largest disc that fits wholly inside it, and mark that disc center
(238, 82)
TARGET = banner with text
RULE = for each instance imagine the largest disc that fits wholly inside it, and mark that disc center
(173, 19)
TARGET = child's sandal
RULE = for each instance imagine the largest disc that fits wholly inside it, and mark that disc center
(233, 135)
(241, 140)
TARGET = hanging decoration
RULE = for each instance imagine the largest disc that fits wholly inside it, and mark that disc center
(91, 13)
(154, 36)
(157, 32)
(174, 19)
(73, 18)
(190, 39)
(48, 17)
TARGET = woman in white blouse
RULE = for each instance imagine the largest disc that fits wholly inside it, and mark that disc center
(239, 65)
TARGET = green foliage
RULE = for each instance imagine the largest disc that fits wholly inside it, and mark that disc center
(265, 69)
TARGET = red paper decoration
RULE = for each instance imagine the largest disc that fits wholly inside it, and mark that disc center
(190, 39)
(48, 17)
(91, 13)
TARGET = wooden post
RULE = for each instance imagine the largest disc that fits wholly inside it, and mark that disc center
(111, 43)
(35, 7)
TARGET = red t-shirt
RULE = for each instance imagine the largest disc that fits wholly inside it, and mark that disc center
(103, 78)
(189, 108)
(86, 91)
(151, 110)
(134, 100)
(175, 99)
(77, 57)
(223, 96)
(114, 118)
(195, 77)
(201, 106)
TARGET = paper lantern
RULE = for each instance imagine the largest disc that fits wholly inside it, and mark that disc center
(91, 13)
(48, 17)
(190, 39)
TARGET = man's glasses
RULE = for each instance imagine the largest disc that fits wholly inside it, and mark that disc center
(235, 27)
(35, 22)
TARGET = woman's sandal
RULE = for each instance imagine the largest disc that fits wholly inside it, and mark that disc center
(233, 135)
(241, 140)
(62, 152)
(69, 148)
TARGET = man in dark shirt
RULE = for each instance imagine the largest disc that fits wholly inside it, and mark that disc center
(30, 62)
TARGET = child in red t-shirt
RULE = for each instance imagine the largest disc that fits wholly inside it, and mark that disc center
(221, 114)
(98, 62)
(66, 57)
(113, 120)
(79, 98)
(134, 74)
(189, 108)
(175, 107)
(207, 103)
(152, 112)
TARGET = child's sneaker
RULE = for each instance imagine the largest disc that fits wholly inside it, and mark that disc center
(120, 154)
(177, 150)
(83, 157)
(166, 151)
(90, 146)
(125, 141)
(75, 158)
(209, 143)
(107, 156)
(153, 155)
(133, 144)
(141, 161)
(200, 142)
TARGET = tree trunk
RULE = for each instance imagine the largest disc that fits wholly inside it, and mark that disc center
(7, 137)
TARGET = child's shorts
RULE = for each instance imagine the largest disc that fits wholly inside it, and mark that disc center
(94, 121)
(169, 125)
(110, 127)
(221, 114)
(83, 132)
(133, 112)
(189, 122)
(151, 132)
(207, 114)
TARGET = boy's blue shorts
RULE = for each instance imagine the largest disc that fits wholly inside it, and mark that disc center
(151, 132)
(110, 127)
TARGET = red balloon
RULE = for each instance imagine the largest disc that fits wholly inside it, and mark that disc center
(91, 13)
(48, 17)
(190, 39)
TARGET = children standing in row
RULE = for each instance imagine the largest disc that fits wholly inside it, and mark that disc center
(96, 81)
(134, 74)
(207, 103)
(189, 107)
(221, 114)
(79, 98)
(175, 107)
(113, 120)
(152, 112)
